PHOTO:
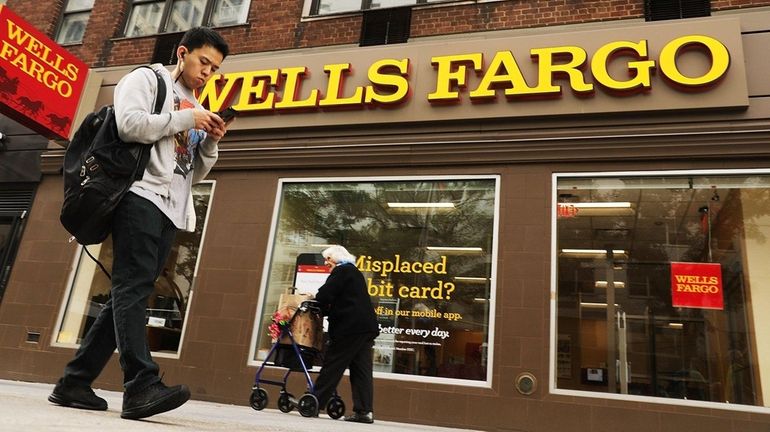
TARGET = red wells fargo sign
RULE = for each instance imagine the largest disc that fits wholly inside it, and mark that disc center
(40, 82)
(696, 285)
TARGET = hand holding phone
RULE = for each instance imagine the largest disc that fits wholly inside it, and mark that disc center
(228, 114)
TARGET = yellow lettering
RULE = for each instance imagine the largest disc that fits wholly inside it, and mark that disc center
(72, 72)
(510, 78)
(36, 71)
(292, 89)
(336, 88)
(254, 91)
(547, 69)
(639, 71)
(8, 50)
(399, 84)
(447, 80)
(720, 60)
(17, 33)
(215, 95)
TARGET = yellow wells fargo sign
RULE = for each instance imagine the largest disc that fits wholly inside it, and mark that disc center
(649, 67)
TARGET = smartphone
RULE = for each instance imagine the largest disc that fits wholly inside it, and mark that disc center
(228, 114)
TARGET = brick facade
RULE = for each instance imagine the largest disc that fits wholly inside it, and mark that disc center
(276, 24)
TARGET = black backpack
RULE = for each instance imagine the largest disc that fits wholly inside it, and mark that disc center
(99, 168)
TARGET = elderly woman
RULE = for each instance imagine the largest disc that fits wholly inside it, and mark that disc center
(352, 328)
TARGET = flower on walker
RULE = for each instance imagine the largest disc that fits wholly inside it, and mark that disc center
(280, 321)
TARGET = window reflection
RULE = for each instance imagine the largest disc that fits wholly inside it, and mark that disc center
(425, 248)
(185, 14)
(74, 21)
(657, 344)
(144, 19)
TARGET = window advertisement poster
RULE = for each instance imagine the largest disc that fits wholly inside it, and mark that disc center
(310, 273)
(426, 251)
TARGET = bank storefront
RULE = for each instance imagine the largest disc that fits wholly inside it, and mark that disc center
(558, 227)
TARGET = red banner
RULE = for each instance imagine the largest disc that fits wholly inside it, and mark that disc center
(40, 82)
(696, 285)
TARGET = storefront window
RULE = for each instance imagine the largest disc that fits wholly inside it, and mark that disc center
(168, 305)
(663, 285)
(426, 248)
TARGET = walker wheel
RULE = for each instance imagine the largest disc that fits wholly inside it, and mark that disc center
(258, 399)
(284, 402)
(335, 408)
(308, 405)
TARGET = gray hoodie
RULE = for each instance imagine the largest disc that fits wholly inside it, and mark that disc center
(134, 101)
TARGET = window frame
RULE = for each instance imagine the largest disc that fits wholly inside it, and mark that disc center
(493, 286)
(553, 334)
(208, 13)
(310, 9)
(64, 14)
(80, 256)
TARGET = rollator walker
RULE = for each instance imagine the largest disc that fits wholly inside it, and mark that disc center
(296, 348)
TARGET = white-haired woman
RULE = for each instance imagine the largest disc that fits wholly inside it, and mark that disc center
(344, 297)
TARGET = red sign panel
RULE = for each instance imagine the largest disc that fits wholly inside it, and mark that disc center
(40, 82)
(566, 210)
(696, 285)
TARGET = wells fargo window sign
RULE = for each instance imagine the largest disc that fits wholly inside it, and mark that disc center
(40, 82)
(696, 285)
(643, 68)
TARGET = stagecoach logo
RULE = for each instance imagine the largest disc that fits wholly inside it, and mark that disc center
(696, 285)
(40, 82)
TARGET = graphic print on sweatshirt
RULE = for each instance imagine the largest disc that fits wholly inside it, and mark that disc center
(186, 142)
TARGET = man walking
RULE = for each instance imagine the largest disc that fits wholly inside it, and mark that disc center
(184, 139)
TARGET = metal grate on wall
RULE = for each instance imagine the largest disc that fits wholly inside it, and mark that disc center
(16, 201)
(658, 10)
(386, 26)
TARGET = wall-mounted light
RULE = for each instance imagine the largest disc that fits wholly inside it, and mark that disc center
(591, 253)
(420, 207)
(591, 305)
(603, 284)
(599, 209)
(471, 279)
(456, 250)
(677, 326)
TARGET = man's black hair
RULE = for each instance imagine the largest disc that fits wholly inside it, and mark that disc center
(199, 36)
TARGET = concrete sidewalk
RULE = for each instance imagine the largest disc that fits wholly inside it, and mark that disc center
(24, 407)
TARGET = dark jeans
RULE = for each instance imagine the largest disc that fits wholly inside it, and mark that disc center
(354, 352)
(141, 239)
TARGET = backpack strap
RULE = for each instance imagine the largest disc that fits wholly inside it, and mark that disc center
(160, 96)
(160, 99)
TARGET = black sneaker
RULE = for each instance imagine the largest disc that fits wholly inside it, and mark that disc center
(361, 417)
(155, 399)
(82, 397)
